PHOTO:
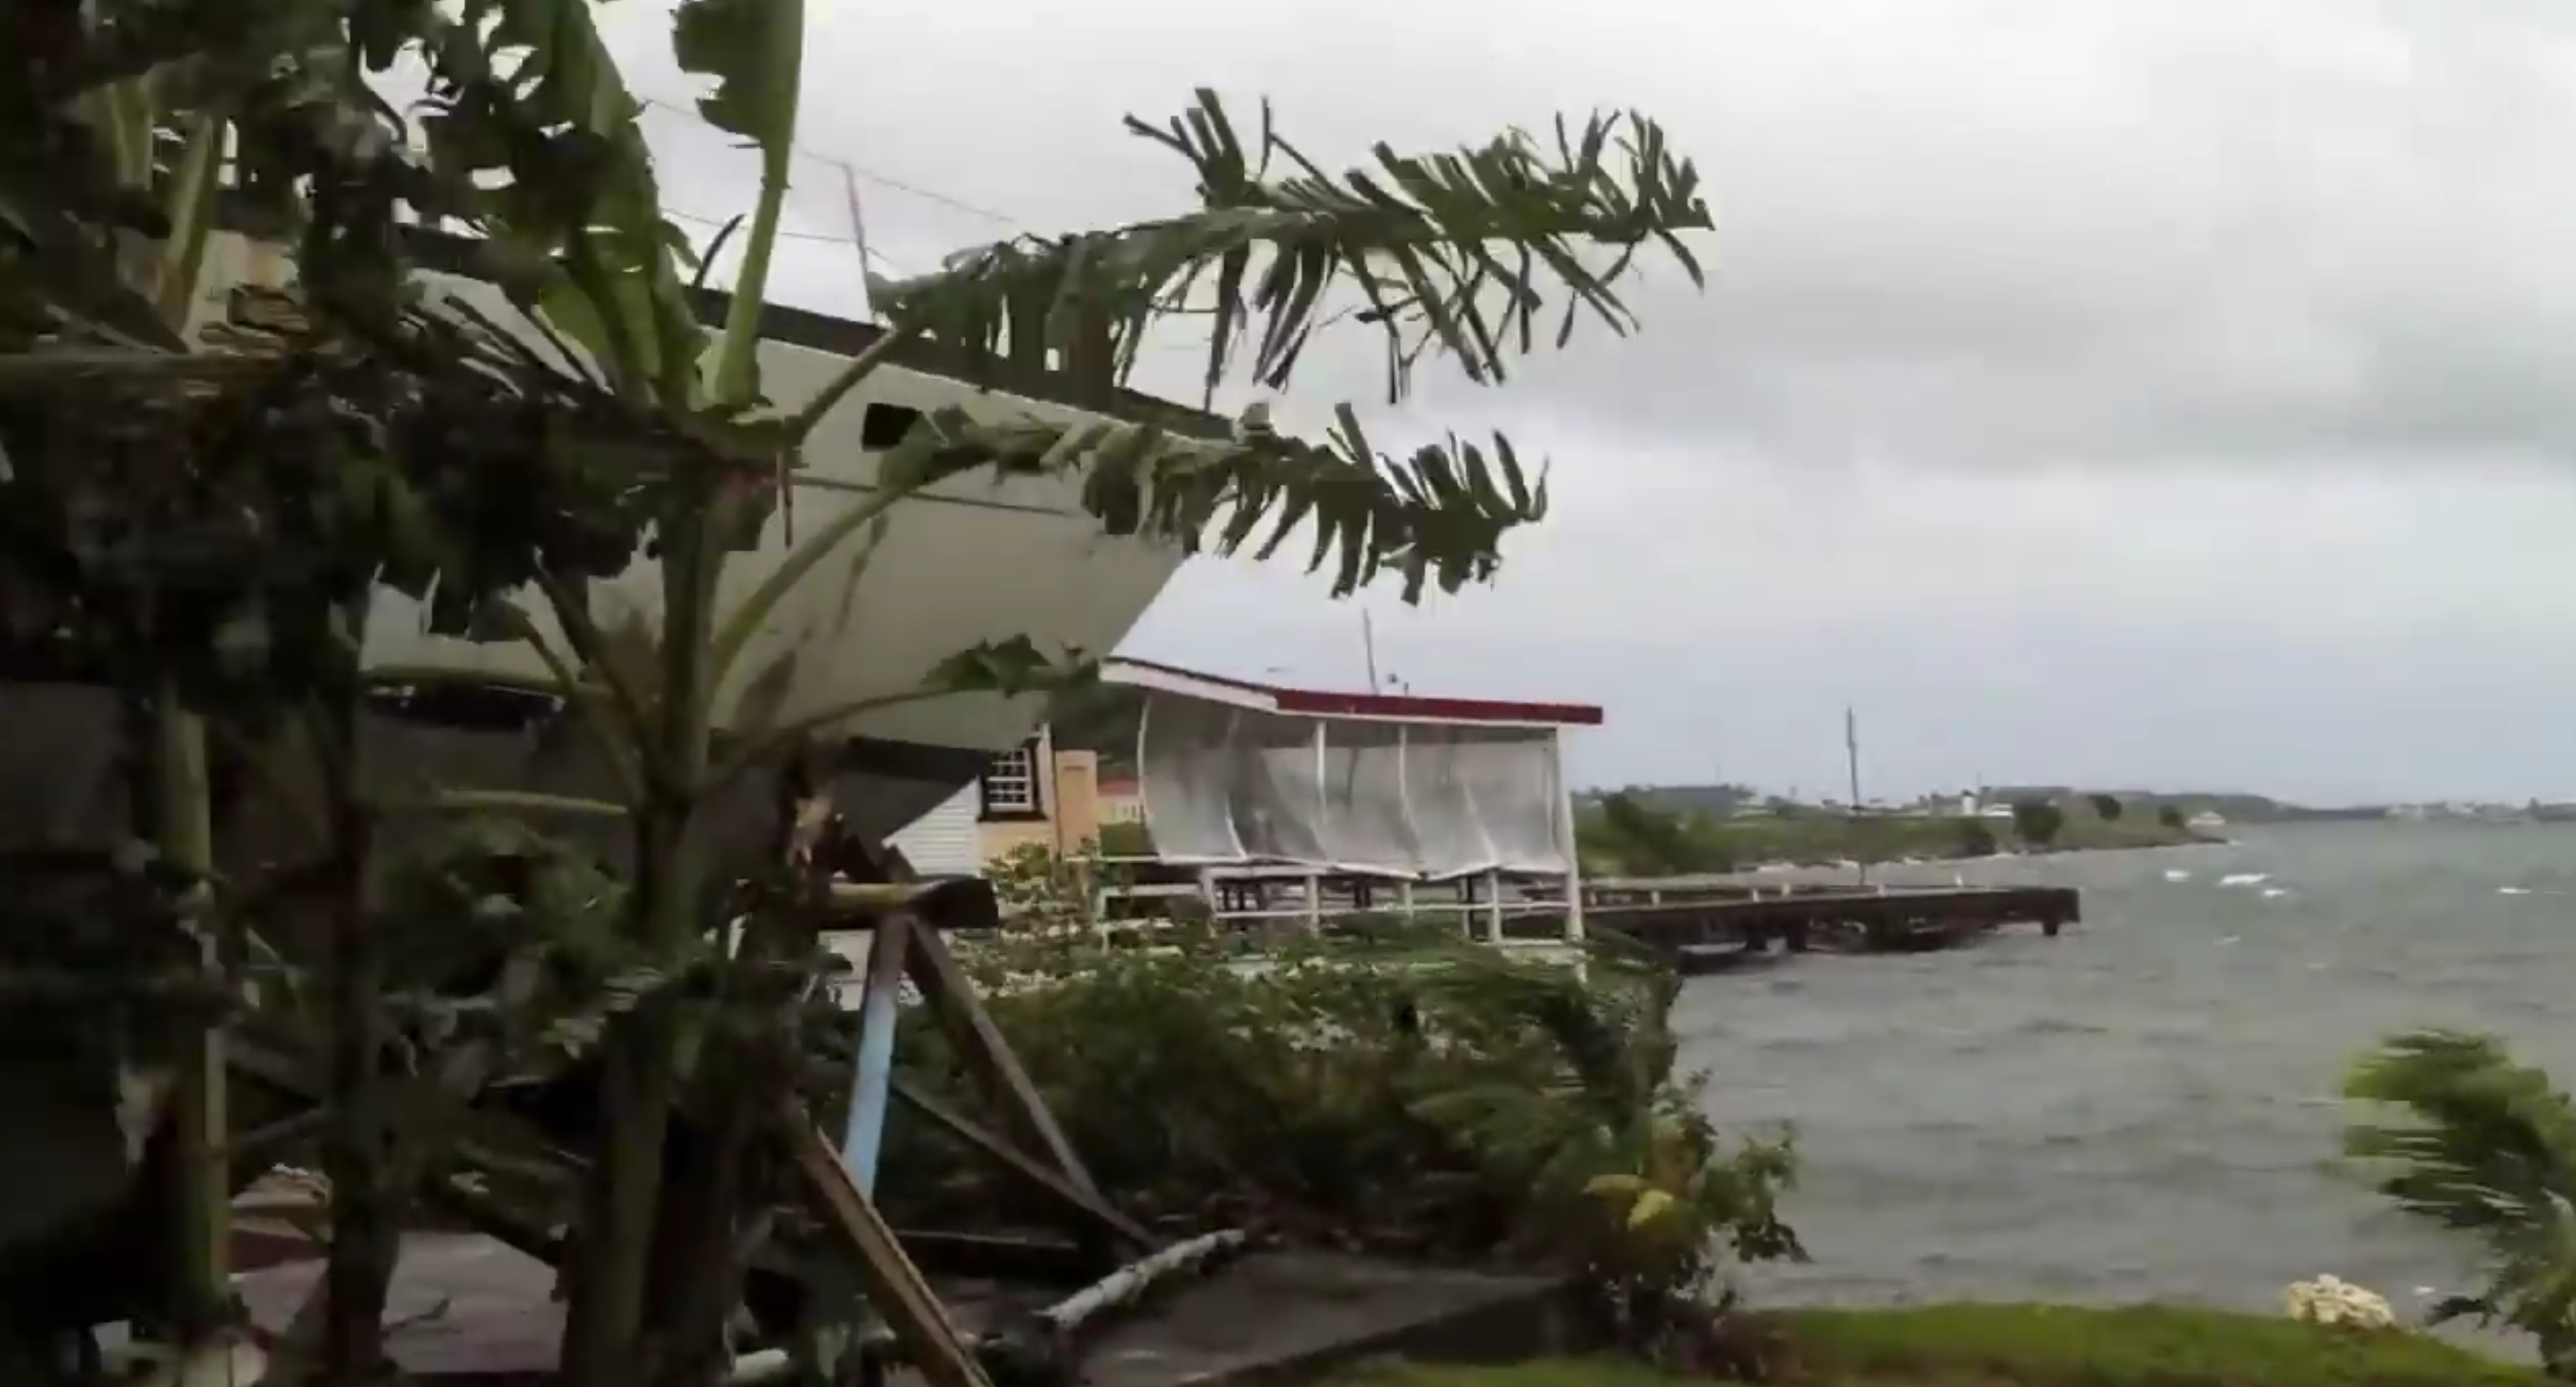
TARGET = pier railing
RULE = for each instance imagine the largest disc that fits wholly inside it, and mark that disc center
(1695, 922)
(1497, 907)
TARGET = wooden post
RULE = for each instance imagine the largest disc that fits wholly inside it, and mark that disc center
(874, 1065)
(1573, 932)
(894, 1286)
(987, 1055)
(201, 1175)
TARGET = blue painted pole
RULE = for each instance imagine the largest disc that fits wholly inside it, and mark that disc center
(871, 1082)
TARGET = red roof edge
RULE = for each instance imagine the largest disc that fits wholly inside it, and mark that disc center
(1326, 703)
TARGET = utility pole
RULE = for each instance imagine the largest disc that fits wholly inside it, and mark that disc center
(1716, 756)
(1368, 646)
(1851, 759)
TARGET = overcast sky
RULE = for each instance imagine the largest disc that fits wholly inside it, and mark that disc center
(2165, 394)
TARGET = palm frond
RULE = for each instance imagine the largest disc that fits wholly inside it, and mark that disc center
(2486, 1143)
(1438, 516)
(1605, 1025)
(1448, 250)
(2487, 1146)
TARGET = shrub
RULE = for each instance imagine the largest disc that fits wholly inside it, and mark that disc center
(1037, 889)
(1404, 1095)
(1126, 839)
(2037, 821)
(1975, 839)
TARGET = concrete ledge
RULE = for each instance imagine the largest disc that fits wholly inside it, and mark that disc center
(469, 1311)
(1285, 1317)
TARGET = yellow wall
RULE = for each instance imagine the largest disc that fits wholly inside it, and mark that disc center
(1077, 799)
(1000, 838)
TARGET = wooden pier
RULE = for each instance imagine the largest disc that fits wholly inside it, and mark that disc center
(1707, 926)
(1696, 923)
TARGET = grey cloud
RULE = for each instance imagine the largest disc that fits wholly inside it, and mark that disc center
(2236, 236)
(2157, 393)
(1970, 230)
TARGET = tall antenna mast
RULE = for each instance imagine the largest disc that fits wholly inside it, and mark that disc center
(1851, 759)
(1368, 644)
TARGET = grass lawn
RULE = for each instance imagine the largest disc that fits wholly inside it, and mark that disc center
(2042, 1346)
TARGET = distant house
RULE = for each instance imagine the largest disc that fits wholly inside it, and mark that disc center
(2206, 821)
(1122, 800)
(1976, 806)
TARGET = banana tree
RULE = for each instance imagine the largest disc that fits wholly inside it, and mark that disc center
(1455, 254)
(207, 525)
(108, 178)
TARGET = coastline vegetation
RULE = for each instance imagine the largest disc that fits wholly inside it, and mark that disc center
(1626, 834)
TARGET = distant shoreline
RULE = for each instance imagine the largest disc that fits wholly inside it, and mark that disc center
(1624, 836)
(2194, 839)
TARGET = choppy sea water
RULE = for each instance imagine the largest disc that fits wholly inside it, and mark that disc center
(2144, 1107)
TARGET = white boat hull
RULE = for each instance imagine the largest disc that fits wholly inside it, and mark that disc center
(978, 560)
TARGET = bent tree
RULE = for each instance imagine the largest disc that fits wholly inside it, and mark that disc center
(358, 433)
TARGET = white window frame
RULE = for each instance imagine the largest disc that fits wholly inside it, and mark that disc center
(1018, 769)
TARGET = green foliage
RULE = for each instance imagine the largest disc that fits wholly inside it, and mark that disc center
(1416, 236)
(1406, 1095)
(2107, 808)
(1039, 890)
(2038, 821)
(2481, 1144)
(1628, 833)
(2132, 1346)
(2013, 1345)
(1646, 841)
(2018, 1345)
(753, 50)
(1126, 840)
(2171, 816)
